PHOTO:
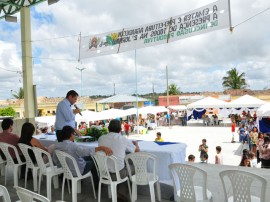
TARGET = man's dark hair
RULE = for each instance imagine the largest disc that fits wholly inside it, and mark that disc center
(159, 133)
(205, 156)
(6, 123)
(73, 93)
(114, 126)
(204, 140)
(67, 131)
(218, 148)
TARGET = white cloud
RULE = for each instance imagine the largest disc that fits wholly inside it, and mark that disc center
(195, 64)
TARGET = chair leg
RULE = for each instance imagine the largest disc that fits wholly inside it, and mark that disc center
(114, 192)
(109, 191)
(152, 192)
(79, 189)
(39, 182)
(25, 176)
(49, 184)
(129, 190)
(158, 191)
(93, 186)
(35, 174)
(6, 171)
(56, 182)
(134, 192)
(63, 187)
(15, 176)
(74, 190)
(99, 191)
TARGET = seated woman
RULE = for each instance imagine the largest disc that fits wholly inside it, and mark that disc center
(27, 133)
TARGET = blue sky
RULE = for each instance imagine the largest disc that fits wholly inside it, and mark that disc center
(195, 64)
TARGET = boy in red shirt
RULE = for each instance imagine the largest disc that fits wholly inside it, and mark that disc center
(233, 131)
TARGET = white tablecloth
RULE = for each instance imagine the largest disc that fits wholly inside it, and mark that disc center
(167, 154)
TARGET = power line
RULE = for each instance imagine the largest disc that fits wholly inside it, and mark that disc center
(251, 17)
(16, 71)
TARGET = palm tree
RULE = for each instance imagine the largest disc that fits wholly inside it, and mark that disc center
(234, 80)
(174, 90)
(18, 95)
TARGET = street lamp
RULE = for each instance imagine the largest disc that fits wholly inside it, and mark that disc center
(81, 69)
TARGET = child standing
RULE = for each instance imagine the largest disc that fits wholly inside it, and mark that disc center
(203, 148)
(218, 157)
(233, 130)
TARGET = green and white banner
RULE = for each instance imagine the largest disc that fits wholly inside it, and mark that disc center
(214, 16)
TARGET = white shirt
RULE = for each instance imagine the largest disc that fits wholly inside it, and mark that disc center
(119, 145)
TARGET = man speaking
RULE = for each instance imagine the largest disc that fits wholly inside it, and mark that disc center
(65, 115)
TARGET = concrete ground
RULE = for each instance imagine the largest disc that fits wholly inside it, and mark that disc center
(191, 135)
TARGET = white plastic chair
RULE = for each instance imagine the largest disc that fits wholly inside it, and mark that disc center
(145, 165)
(26, 195)
(183, 178)
(11, 163)
(2, 166)
(240, 184)
(47, 169)
(29, 164)
(66, 159)
(4, 193)
(101, 162)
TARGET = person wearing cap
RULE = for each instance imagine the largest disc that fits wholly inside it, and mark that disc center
(65, 115)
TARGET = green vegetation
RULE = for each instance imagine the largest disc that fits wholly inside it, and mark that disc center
(96, 132)
(174, 89)
(18, 95)
(234, 80)
(7, 112)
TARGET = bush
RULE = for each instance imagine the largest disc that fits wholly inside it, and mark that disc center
(96, 132)
(9, 111)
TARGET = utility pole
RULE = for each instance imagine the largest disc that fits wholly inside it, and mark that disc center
(167, 86)
(113, 88)
(153, 94)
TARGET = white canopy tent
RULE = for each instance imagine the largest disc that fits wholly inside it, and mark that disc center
(208, 102)
(178, 107)
(264, 110)
(245, 101)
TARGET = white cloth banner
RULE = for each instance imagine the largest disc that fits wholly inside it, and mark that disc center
(209, 18)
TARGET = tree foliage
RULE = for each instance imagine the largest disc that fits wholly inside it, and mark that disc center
(174, 89)
(7, 112)
(18, 95)
(234, 80)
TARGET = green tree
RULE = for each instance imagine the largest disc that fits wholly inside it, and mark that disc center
(174, 89)
(18, 95)
(7, 112)
(234, 80)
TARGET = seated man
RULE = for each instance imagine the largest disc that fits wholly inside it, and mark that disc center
(119, 145)
(8, 137)
(82, 154)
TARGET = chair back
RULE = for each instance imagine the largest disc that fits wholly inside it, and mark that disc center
(183, 176)
(101, 162)
(39, 154)
(4, 193)
(241, 183)
(145, 165)
(26, 195)
(68, 164)
(25, 150)
(6, 148)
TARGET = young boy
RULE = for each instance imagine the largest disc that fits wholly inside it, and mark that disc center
(159, 139)
(204, 158)
(203, 148)
(191, 158)
(218, 157)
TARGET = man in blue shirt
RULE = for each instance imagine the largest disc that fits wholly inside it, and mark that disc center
(81, 153)
(65, 115)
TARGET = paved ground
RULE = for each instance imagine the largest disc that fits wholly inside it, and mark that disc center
(191, 135)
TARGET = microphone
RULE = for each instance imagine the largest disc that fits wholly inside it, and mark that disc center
(77, 108)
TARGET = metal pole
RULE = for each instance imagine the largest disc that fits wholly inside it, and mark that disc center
(137, 115)
(167, 86)
(81, 69)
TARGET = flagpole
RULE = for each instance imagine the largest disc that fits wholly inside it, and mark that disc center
(136, 76)
(230, 17)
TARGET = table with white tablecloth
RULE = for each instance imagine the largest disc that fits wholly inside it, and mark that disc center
(166, 152)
